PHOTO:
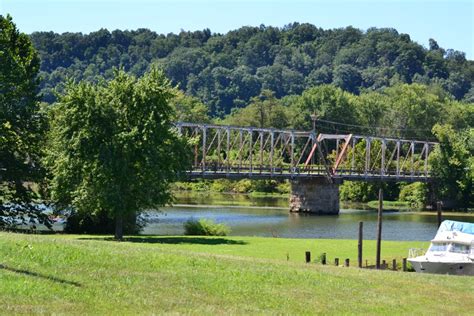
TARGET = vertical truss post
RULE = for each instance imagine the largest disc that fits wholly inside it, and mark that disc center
(204, 136)
(398, 158)
(240, 149)
(412, 170)
(427, 148)
(251, 150)
(261, 151)
(272, 139)
(219, 148)
(292, 152)
(227, 156)
(367, 155)
(382, 164)
(353, 155)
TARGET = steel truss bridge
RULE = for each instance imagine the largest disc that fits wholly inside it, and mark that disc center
(264, 153)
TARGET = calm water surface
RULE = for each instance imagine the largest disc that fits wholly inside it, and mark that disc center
(269, 216)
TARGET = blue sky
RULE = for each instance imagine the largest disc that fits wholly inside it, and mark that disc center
(451, 23)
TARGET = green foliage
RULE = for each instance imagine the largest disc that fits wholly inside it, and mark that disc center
(21, 129)
(415, 193)
(327, 101)
(263, 111)
(112, 147)
(357, 191)
(226, 71)
(189, 109)
(452, 163)
(243, 186)
(205, 227)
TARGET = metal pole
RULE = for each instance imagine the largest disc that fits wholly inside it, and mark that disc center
(204, 131)
(379, 227)
(272, 139)
(261, 151)
(228, 149)
(251, 150)
(359, 245)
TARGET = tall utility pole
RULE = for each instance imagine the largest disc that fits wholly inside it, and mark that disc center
(314, 117)
(379, 227)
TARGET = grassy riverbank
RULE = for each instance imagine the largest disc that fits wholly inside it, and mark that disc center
(195, 275)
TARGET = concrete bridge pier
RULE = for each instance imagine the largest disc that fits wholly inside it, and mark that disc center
(314, 196)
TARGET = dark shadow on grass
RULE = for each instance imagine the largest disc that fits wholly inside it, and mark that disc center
(39, 275)
(175, 240)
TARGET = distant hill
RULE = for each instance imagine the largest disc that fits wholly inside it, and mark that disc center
(226, 70)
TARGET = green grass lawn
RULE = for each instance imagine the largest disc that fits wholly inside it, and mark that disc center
(197, 275)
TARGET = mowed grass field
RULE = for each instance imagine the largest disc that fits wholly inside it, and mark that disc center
(71, 274)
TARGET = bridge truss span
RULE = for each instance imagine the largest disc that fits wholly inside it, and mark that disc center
(221, 151)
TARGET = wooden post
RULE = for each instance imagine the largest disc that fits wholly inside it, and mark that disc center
(440, 216)
(394, 265)
(336, 262)
(308, 257)
(323, 258)
(359, 244)
(404, 264)
(384, 264)
(379, 228)
(346, 263)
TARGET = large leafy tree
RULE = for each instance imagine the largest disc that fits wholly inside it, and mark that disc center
(453, 165)
(20, 127)
(112, 146)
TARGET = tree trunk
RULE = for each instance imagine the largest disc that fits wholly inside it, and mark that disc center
(119, 226)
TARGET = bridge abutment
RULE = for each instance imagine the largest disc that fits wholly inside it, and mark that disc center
(314, 196)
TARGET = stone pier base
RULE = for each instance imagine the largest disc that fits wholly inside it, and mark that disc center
(314, 196)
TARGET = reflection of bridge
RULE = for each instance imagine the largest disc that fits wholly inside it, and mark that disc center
(319, 161)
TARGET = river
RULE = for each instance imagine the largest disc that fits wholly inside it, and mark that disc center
(269, 216)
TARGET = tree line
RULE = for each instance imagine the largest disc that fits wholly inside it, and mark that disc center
(225, 71)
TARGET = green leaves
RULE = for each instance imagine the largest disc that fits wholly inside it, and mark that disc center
(452, 164)
(21, 128)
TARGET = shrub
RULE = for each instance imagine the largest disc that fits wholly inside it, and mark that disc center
(205, 227)
(414, 193)
(357, 191)
(243, 186)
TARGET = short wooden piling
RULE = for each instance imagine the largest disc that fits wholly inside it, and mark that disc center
(404, 264)
(359, 244)
(394, 264)
(308, 256)
(323, 258)
(336, 262)
(384, 264)
(346, 263)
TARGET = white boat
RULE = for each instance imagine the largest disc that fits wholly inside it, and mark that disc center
(450, 252)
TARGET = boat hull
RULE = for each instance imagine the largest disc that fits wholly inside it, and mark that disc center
(456, 268)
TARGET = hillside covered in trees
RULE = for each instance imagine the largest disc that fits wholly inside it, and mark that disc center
(225, 71)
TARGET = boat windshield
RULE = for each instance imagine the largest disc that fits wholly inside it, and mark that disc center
(459, 248)
(439, 246)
